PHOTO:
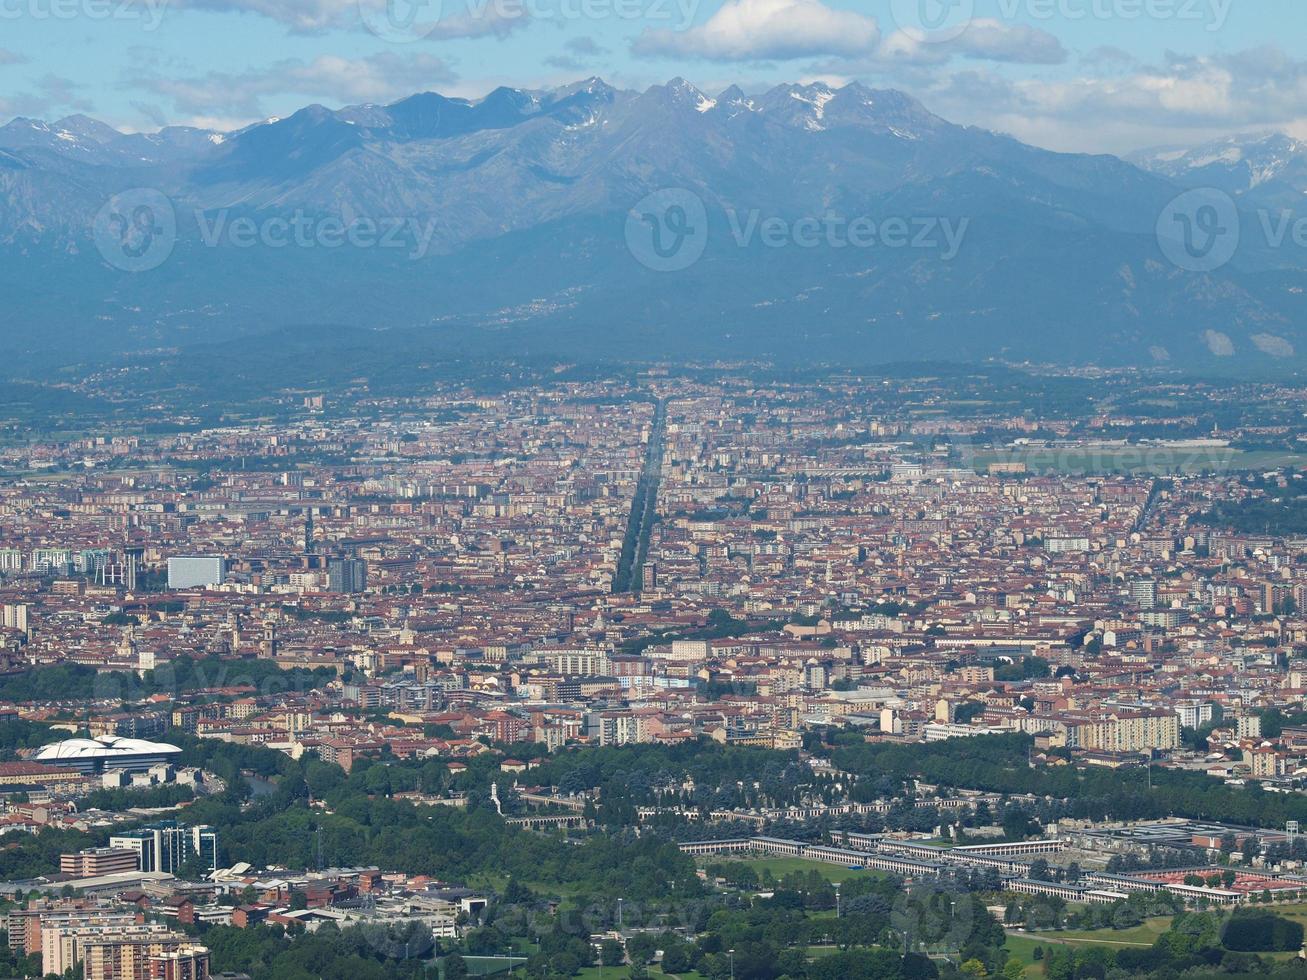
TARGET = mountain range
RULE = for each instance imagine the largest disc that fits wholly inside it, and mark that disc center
(1263, 169)
(506, 224)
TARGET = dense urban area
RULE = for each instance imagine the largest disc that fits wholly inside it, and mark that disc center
(710, 675)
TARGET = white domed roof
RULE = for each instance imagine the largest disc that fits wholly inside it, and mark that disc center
(105, 747)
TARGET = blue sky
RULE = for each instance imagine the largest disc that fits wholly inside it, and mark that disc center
(1088, 75)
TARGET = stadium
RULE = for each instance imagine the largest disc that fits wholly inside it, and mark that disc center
(97, 755)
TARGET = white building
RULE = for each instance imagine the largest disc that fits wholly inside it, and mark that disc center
(196, 572)
(96, 755)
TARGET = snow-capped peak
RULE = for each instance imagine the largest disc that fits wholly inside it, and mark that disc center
(735, 101)
(682, 93)
(1252, 159)
(816, 96)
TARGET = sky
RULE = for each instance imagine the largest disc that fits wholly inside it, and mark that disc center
(1109, 76)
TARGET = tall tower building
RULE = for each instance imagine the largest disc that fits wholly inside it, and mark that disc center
(347, 575)
(268, 648)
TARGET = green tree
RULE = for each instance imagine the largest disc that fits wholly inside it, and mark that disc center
(641, 947)
(611, 953)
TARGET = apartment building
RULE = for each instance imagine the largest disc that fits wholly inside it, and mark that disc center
(1140, 731)
(26, 928)
(167, 845)
(99, 861)
(110, 952)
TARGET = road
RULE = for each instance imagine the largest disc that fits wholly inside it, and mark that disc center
(1042, 938)
(644, 510)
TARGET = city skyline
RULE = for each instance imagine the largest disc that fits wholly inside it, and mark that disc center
(653, 489)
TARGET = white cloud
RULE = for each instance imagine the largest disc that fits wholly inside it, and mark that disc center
(60, 92)
(748, 30)
(983, 40)
(301, 16)
(480, 20)
(580, 54)
(993, 40)
(752, 30)
(1181, 100)
(49, 96)
(241, 96)
(436, 21)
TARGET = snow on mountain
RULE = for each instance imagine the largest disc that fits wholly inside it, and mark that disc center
(525, 193)
(1263, 166)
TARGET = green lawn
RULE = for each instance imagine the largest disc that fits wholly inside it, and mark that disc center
(622, 972)
(781, 866)
(1022, 949)
(1296, 912)
(478, 966)
(817, 952)
(1142, 935)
